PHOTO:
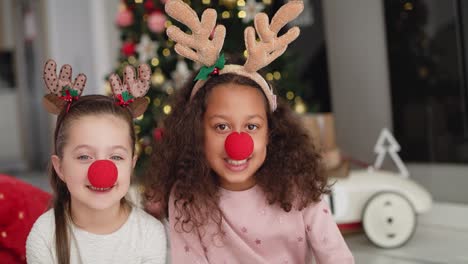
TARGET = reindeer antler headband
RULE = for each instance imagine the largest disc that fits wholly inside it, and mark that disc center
(63, 92)
(200, 48)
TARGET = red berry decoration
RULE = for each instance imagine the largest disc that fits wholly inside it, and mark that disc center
(239, 146)
(215, 71)
(102, 174)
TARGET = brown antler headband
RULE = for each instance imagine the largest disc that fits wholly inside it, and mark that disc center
(62, 92)
(131, 93)
(198, 47)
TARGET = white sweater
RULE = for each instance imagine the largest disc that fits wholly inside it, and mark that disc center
(141, 239)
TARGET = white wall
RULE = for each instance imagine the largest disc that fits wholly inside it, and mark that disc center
(82, 34)
(10, 147)
(6, 26)
(357, 58)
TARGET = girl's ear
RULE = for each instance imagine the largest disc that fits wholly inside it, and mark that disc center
(134, 161)
(57, 166)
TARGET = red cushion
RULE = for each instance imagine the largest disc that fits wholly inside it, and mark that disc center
(20, 205)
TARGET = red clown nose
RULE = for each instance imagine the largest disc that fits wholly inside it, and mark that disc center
(102, 174)
(239, 146)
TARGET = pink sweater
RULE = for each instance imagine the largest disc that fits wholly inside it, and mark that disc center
(256, 232)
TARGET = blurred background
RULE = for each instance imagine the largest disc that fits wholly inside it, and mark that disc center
(365, 65)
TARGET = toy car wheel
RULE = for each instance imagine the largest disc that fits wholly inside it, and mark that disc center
(389, 220)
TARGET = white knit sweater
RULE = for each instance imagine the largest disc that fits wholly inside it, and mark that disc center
(141, 239)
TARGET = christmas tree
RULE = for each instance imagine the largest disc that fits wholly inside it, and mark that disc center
(143, 23)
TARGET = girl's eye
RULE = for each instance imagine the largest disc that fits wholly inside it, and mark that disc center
(84, 157)
(222, 127)
(252, 127)
(115, 157)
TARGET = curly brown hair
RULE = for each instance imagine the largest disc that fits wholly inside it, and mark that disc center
(291, 175)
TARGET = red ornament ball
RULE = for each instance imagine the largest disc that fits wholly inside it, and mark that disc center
(149, 6)
(124, 18)
(128, 48)
(157, 21)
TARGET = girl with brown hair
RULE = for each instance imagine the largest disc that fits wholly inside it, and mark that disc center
(234, 172)
(94, 156)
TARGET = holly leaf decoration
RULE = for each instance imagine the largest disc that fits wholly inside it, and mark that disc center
(126, 96)
(205, 71)
(70, 90)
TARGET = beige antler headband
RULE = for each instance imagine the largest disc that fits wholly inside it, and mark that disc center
(62, 92)
(200, 48)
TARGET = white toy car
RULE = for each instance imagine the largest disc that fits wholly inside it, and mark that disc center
(385, 203)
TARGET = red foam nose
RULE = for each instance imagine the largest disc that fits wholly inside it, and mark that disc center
(238, 146)
(102, 174)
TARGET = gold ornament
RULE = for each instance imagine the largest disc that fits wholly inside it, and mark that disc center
(229, 4)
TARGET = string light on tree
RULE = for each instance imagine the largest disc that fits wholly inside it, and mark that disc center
(155, 61)
(167, 109)
(299, 106)
(226, 15)
(157, 102)
(132, 60)
(157, 78)
(166, 52)
(277, 75)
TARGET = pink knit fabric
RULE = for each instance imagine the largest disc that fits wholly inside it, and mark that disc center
(256, 232)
